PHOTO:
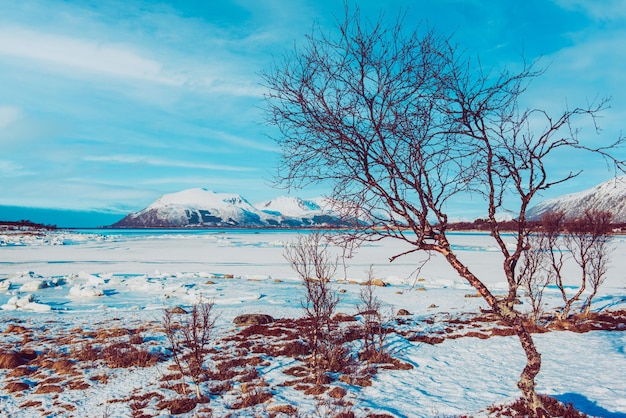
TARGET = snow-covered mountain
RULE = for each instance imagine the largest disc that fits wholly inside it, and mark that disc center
(205, 208)
(609, 196)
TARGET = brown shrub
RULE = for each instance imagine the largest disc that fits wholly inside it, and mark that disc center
(221, 387)
(316, 390)
(553, 406)
(30, 404)
(106, 334)
(426, 339)
(87, 352)
(49, 389)
(52, 380)
(297, 371)
(65, 406)
(124, 355)
(16, 329)
(136, 339)
(63, 366)
(252, 397)
(102, 378)
(16, 387)
(283, 409)
(337, 392)
(11, 359)
(249, 375)
(292, 349)
(171, 376)
(178, 406)
(178, 387)
(77, 385)
(21, 371)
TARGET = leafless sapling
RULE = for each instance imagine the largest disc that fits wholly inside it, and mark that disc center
(587, 238)
(312, 260)
(535, 272)
(374, 330)
(189, 336)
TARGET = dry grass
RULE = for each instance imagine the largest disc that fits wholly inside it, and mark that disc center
(178, 406)
(238, 362)
(251, 396)
(124, 355)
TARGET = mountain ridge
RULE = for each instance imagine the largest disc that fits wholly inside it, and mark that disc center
(205, 208)
(607, 196)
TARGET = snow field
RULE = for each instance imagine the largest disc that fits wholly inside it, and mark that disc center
(125, 280)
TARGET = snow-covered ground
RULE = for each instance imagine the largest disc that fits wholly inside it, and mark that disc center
(63, 281)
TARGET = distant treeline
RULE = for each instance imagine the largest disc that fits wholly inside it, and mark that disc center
(483, 225)
(24, 223)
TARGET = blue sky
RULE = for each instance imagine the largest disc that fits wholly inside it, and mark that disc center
(107, 105)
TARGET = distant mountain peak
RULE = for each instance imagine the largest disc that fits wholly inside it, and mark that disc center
(201, 207)
(608, 196)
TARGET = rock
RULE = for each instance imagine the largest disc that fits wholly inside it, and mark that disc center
(403, 312)
(253, 319)
(209, 282)
(342, 291)
(375, 282)
(178, 310)
(473, 295)
(433, 306)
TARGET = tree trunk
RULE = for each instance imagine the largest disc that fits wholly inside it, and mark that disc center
(526, 384)
(512, 318)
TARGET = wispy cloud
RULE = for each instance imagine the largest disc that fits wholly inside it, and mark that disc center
(601, 10)
(12, 169)
(8, 115)
(161, 162)
(107, 59)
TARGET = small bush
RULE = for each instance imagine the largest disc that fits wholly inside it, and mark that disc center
(252, 397)
(178, 406)
(124, 355)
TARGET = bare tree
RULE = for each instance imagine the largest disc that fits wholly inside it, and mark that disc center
(600, 254)
(534, 273)
(401, 123)
(374, 330)
(587, 239)
(311, 258)
(189, 339)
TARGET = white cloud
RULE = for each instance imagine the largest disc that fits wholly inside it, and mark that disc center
(600, 10)
(133, 159)
(11, 169)
(8, 115)
(108, 59)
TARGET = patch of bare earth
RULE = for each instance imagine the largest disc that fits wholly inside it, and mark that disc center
(78, 359)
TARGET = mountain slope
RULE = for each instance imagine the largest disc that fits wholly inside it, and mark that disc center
(197, 207)
(204, 208)
(609, 196)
